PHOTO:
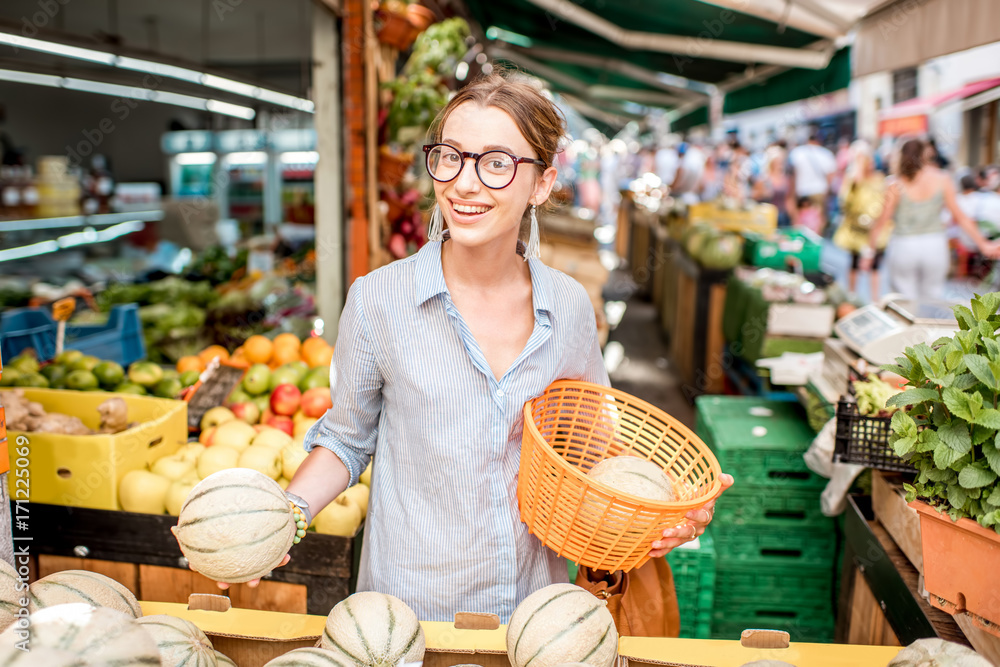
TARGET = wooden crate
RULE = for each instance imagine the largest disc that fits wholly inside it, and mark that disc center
(140, 551)
(900, 520)
(697, 346)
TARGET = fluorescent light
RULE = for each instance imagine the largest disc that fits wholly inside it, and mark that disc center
(495, 33)
(28, 251)
(300, 157)
(196, 158)
(85, 85)
(54, 48)
(247, 157)
(86, 237)
(161, 69)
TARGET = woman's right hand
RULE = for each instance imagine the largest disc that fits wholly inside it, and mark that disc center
(253, 583)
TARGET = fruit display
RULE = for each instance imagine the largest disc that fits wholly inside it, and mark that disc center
(560, 624)
(712, 248)
(635, 476)
(71, 586)
(372, 629)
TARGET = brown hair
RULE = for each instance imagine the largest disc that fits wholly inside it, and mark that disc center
(911, 159)
(538, 119)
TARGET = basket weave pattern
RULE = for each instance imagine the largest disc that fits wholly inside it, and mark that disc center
(573, 426)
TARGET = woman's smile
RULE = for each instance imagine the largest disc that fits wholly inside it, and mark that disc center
(467, 212)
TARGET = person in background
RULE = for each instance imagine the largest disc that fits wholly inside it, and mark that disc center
(690, 172)
(860, 197)
(736, 182)
(772, 185)
(667, 160)
(934, 157)
(812, 167)
(809, 215)
(918, 255)
(970, 199)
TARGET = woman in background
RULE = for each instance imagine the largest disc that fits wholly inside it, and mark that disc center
(772, 186)
(860, 199)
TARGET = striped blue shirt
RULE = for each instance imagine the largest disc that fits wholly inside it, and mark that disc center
(443, 531)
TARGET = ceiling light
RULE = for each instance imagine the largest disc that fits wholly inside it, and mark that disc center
(247, 157)
(300, 157)
(195, 158)
(54, 48)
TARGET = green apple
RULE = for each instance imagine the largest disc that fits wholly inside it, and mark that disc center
(257, 379)
(286, 374)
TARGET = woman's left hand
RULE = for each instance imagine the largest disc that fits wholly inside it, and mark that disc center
(697, 521)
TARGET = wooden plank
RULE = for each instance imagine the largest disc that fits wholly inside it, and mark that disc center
(985, 644)
(899, 519)
(867, 624)
(682, 342)
(715, 342)
(171, 584)
(127, 574)
(270, 596)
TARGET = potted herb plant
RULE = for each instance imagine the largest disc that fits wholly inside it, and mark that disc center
(948, 427)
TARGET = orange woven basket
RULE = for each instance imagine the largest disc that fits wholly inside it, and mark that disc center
(572, 427)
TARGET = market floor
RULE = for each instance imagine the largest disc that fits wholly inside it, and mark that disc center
(636, 354)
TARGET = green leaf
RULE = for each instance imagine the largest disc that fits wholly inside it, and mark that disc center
(966, 320)
(980, 367)
(911, 493)
(922, 355)
(985, 329)
(990, 418)
(912, 397)
(939, 475)
(989, 519)
(927, 441)
(981, 434)
(994, 497)
(992, 454)
(985, 306)
(903, 424)
(992, 348)
(903, 445)
(944, 456)
(956, 436)
(957, 497)
(963, 460)
(974, 477)
(965, 381)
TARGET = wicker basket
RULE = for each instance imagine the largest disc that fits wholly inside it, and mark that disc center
(573, 426)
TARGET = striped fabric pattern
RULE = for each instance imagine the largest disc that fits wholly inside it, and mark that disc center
(443, 531)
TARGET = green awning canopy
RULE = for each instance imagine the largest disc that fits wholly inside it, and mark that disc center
(795, 84)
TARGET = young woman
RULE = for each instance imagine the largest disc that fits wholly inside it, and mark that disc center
(861, 197)
(436, 356)
(918, 252)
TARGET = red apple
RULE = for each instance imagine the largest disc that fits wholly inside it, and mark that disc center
(206, 436)
(316, 401)
(282, 423)
(246, 411)
(285, 399)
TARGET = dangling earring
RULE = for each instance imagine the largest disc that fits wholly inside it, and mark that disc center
(435, 230)
(532, 250)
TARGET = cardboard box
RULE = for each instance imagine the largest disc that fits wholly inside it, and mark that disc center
(85, 470)
(656, 652)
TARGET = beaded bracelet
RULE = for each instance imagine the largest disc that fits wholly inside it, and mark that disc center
(300, 523)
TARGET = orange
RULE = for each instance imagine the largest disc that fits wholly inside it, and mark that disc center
(287, 340)
(213, 351)
(317, 355)
(258, 349)
(190, 363)
(284, 354)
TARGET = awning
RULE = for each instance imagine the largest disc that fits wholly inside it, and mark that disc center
(911, 116)
(796, 84)
(909, 32)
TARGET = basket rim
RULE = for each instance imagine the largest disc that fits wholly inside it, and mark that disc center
(695, 503)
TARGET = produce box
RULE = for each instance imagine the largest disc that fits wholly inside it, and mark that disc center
(773, 251)
(693, 567)
(119, 339)
(761, 218)
(790, 509)
(85, 470)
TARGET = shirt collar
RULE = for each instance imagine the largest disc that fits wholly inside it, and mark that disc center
(429, 278)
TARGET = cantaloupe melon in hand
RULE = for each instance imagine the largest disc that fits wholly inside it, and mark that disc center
(559, 624)
(308, 657)
(98, 636)
(372, 629)
(10, 595)
(236, 525)
(180, 642)
(635, 476)
(82, 586)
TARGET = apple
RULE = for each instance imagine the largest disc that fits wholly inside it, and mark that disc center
(358, 494)
(284, 375)
(299, 416)
(292, 457)
(246, 411)
(215, 416)
(341, 517)
(263, 404)
(235, 434)
(177, 494)
(268, 436)
(302, 427)
(317, 377)
(172, 467)
(285, 400)
(366, 476)
(205, 438)
(191, 451)
(283, 483)
(237, 396)
(264, 460)
(217, 458)
(282, 423)
(143, 491)
(316, 401)
(257, 379)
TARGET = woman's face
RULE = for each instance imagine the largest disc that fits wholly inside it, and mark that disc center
(477, 215)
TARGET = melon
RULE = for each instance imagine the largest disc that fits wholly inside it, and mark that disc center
(236, 525)
(635, 476)
(96, 635)
(721, 252)
(372, 629)
(560, 624)
(92, 588)
(935, 652)
(12, 592)
(308, 657)
(180, 642)
(11, 656)
(223, 660)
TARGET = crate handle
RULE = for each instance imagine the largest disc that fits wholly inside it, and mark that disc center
(470, 620)
(788, 474)
(785, 514)
(208, 602)
(782, 553)
(64, 473)
(154, 443)
(764, 639)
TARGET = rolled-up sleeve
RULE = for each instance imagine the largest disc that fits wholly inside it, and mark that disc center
(349, 429)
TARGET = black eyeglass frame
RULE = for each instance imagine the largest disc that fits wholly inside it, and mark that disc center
(475, 157)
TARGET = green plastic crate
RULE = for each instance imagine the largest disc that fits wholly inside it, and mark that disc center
(819, 630)
(775, 547)
(694, 580)
(772, 251)
(760, 442)
(748, 583)
(748, 507)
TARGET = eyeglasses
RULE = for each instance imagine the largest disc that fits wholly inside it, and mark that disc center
(496, 169)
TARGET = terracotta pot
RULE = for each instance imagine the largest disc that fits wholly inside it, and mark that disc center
(420, 17)
(392, 167)
(961, 566)
(396, 30)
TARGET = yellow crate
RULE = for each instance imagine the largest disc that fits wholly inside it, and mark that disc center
(85, 470)
(762, 218)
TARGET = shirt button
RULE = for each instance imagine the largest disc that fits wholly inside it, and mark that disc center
(500, 393)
